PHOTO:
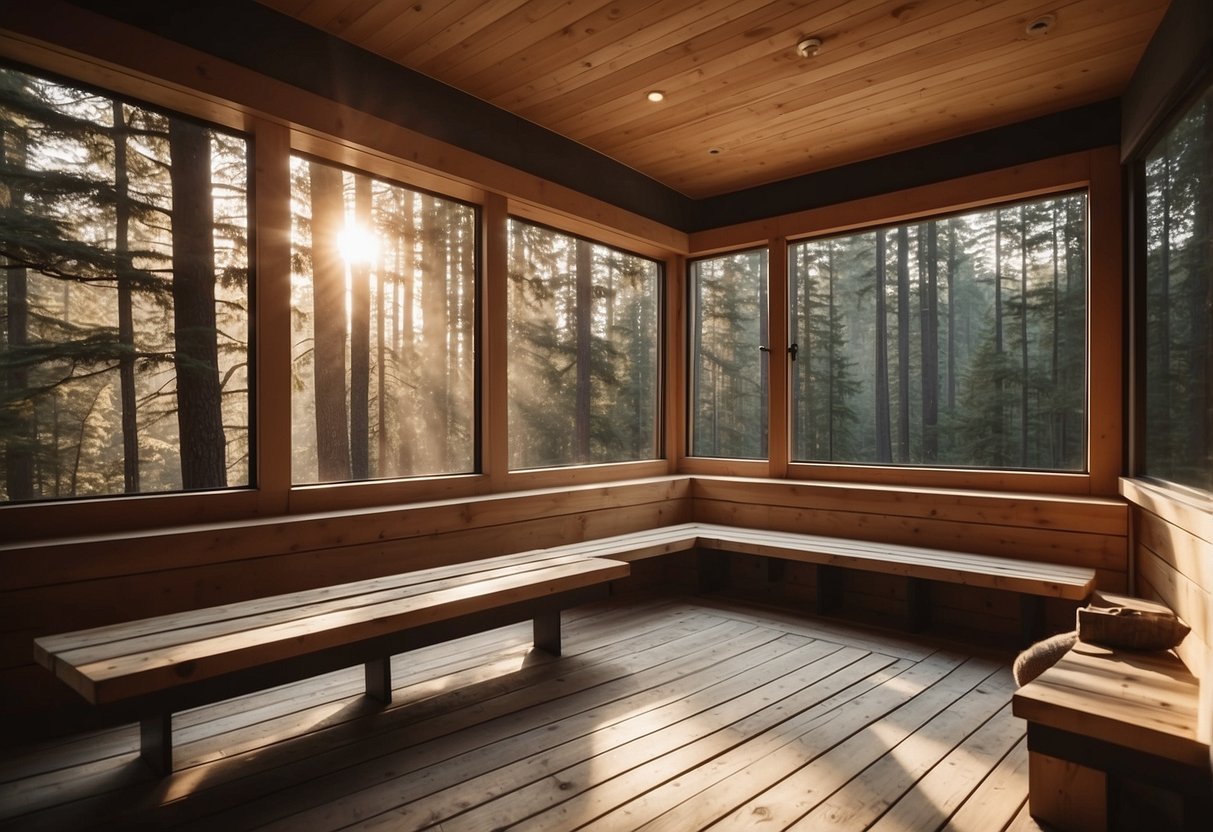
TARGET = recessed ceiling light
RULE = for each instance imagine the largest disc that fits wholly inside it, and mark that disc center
(1041, 25)
(655, 96)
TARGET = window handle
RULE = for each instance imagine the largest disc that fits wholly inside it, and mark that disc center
(792, 350)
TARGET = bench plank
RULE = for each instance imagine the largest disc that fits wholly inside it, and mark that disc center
(1032, 577)
(1144, 701)
(132, 675)
(161, 632)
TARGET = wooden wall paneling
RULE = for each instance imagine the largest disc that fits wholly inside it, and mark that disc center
(63, 560)
(271, 297)
(1105, 552)
(1190, 601)
(1187, 554)
(1091, 514)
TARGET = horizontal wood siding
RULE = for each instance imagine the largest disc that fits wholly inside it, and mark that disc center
(1173, 563)
(1077, 531)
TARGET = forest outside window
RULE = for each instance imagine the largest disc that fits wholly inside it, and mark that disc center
(949, 342)
(583, 329)
(125, 298)
(1179, 301)
(728, 364)
(383, 290)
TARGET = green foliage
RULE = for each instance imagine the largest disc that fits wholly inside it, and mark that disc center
(1006, 382)
(88, 406)
(1179, 302)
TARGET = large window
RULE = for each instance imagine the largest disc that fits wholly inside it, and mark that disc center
(383, 307)
(584, 330)
(125, 302)
(1179, 301)
(728, 368)
(951, 342)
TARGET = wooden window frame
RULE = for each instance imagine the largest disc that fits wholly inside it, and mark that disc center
(1098, 173)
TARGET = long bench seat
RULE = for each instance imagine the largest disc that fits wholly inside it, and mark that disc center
(164, 664)
(160, 665)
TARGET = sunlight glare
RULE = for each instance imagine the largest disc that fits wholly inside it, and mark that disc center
(357, 245)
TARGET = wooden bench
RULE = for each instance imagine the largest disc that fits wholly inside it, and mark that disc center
(1129, 716)
(1033, 580)
(160, 665)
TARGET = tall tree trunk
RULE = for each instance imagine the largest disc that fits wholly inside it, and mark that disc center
(997, 428)
(1200, 403)
(20, 443)
(328, 313)
(1055, 450)
(360, 337)
(126, 323)
(199, 397)
(1024, 374)
(381, 292)
(831, 329)
(584, 314)
(951, 288)
(928, 302)
(903, 344)
(884, 442)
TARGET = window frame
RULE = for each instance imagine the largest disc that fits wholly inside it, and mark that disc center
(233, 128)
(648, 466)
(1137, 241)
(1095, 171)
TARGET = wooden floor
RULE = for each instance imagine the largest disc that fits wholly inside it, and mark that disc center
(671, 714)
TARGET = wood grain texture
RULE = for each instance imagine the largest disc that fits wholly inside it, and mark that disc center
(890, 76)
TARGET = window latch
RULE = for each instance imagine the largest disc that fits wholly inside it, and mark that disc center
(792, 350)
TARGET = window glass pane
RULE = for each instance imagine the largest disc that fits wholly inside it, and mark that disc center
(1179, 301)
(125, 302)
(951, 342)
(383, 307)
(584, 329)
(728, 370)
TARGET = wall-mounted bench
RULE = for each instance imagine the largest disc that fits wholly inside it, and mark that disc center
(1032, 580)
(156, 666)
(160, 665)
(1101, 713)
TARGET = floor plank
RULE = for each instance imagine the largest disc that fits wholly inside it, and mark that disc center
(664, 713)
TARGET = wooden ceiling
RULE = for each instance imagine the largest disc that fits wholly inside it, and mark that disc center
(741, 107)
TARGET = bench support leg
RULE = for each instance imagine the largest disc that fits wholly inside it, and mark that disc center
(1067, 795)
(547, 632)
(156, 743)
(379, 679)
(829, 589)
(1031, 618)
(918, 605)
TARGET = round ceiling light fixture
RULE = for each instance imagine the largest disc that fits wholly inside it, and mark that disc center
(1041, 25)
(655, 96)
(808, 47)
